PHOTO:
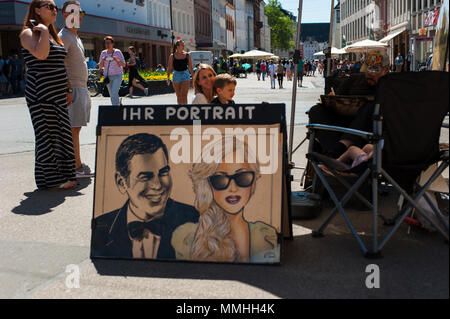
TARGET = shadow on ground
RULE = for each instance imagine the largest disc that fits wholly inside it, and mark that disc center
(413, 266)
(40, 202)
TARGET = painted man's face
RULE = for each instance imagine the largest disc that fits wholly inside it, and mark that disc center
(148, 185)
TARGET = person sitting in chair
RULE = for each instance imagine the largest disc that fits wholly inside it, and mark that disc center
(334, 144)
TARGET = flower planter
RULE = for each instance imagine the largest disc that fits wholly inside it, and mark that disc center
(154, 87)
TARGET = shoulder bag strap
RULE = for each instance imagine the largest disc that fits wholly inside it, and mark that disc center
(109, 63)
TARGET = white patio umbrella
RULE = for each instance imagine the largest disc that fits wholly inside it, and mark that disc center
(334, 51)
(338, 51)
(236, 55)
(257, 54)
(365, 45)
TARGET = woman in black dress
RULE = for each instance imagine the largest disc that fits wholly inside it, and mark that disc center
(134, 74)
(47, 97)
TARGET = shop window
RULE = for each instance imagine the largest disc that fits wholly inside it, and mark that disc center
(140, 3)
(129, 1)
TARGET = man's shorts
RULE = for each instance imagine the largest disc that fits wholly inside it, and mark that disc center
(80, 109)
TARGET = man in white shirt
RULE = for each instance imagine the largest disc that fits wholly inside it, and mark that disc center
(77, 74)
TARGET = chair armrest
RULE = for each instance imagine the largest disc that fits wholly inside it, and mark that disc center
(363, 134)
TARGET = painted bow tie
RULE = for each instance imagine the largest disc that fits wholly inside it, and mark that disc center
(139, 230)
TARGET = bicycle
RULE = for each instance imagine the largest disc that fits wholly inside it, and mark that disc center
(95, 87)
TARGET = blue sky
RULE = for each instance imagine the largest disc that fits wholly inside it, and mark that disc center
(313, 10)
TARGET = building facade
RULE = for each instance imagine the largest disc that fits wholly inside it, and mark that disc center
(241, 27)
(219, 27)
(203, 24)
(249, 15)
(128, 21)
(230, 19)
(337, 37)
(265, 44)
(244, 25)
(258, 23)
(151, 26)
(358, 20)
(395, 18)
(424, 17)
(183, 23)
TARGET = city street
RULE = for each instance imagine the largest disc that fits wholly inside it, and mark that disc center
(44, 234)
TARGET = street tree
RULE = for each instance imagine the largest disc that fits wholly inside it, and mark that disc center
(282, 27)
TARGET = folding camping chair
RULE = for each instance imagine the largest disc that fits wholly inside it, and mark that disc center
(409, 111)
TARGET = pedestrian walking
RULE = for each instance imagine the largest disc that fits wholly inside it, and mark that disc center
(77, 74)
(289, 71)
(112, 63)
(300, 72)
(223, 65)
(273, 74)
(133, 73)
(181, 64)
(258, 70)
(16, 73)
(91, 64)
(280, 74)
(160, 68)
(215, 65)
(46, 96)
(263, 70)
(203, 80)
(399, 63)
(7, 73)
(4, 83)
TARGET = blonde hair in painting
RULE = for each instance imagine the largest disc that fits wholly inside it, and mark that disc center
(213, 240)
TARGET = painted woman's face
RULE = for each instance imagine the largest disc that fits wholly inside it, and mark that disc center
(232, 186)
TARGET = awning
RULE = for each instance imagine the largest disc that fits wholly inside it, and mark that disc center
(365, 45)
(392, 35)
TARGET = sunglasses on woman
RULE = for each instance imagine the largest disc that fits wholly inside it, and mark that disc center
(50, 6)
(222, 181)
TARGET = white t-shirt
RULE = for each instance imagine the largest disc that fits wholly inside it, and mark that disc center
(76, 66)
(200, 98)
(272, 69)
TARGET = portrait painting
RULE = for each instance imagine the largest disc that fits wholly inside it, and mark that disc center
(208, 193)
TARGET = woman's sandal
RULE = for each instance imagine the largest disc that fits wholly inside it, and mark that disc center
(66, 185)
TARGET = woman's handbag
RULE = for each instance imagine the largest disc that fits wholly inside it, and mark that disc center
(106, 80)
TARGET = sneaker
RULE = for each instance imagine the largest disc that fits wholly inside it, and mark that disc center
(130, 96)
(83, 171)
(146, 91)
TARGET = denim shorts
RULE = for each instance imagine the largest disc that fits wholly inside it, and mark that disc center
(181, 76)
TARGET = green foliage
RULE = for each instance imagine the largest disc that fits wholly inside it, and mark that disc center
(282, 28)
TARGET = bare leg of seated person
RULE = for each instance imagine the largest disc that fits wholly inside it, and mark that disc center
(356, 155)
